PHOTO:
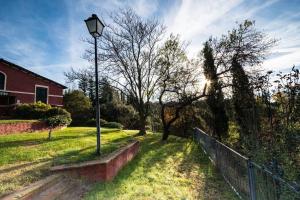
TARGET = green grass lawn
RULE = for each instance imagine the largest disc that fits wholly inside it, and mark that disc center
(25, 158)
(177, 169)
(13, 121)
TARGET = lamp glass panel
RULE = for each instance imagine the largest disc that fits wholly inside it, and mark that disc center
(99, 27)
(91, 24)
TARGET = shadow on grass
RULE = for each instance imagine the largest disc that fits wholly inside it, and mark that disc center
(214, 186)
(89, 153)
(38, 141)
(152, 152)
(26, 175)
(56, 137)
(23, 165)
(74, 156)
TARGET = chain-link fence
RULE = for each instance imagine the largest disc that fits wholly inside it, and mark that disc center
(248, 179)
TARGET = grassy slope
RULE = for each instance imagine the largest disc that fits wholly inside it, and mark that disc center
(25, 158)
(173, 170)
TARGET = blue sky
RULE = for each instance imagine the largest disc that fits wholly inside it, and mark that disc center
(45, 36)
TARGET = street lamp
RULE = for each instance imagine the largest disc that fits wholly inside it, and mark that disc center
(95, 27)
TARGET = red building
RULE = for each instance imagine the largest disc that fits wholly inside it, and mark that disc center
(19, 85)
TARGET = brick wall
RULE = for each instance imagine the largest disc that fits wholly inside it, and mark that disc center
(104, 169)
(22, 127)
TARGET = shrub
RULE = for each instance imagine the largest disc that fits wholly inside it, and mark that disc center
(92, 122)
(103, 122)
(58, 121)
(31, 111)
(114, 125)
(120, 112)
(57, 111)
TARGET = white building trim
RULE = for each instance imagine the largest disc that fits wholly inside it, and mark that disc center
(31, 93)
(52, 95)
(18, 92)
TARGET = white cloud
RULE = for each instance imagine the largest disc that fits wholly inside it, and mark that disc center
(194, 20)
(197, 20)
(144, 8)
(190, 18)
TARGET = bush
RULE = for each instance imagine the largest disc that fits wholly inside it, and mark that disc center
(59, 120)
(92, 122)
(57, 111)
(38, 111)
(103, 122)
(31, 111)
(114, 125)
(120, 112)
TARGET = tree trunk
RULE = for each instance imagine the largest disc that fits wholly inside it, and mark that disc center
(49, 134)
(165, 133)
(142, 125)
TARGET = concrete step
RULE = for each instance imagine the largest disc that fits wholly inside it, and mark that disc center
(65, 189)
(54, 187)
(33, 189)
(77, 191)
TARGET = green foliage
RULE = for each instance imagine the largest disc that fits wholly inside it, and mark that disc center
(79, 106)
(218, 122)
(59, 120)
(85, 80)
(103, 122)
(53, 116)
(107, 92)
(31, 111)
(92, 122)
(120, 112)
(38, 110)
(280, 135)
(57, 111)
(244, 105)
(113, 125)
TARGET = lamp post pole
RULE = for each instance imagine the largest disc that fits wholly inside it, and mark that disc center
(97, 101)
(95, 27)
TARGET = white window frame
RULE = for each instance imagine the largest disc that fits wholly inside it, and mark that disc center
(5, 80)
(41, 86)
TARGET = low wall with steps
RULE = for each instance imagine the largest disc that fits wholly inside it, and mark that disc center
(65, 187)
(104, 169)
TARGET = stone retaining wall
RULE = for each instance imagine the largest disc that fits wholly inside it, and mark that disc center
(104, 169)
(20, 127)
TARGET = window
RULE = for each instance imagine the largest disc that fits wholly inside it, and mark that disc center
(2, 81)
(41, 94)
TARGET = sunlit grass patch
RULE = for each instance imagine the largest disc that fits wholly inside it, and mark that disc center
(177, 169)
(27, 157)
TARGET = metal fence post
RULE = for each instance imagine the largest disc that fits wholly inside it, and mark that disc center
(251, 180)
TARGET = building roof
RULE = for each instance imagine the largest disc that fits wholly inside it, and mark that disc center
(30, 72)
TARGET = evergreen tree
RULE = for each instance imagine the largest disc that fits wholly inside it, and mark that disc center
(107, 93)
(244, 105)
(219, 121)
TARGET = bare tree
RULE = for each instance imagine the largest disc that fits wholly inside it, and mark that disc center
(128, 52)
(178, 83)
